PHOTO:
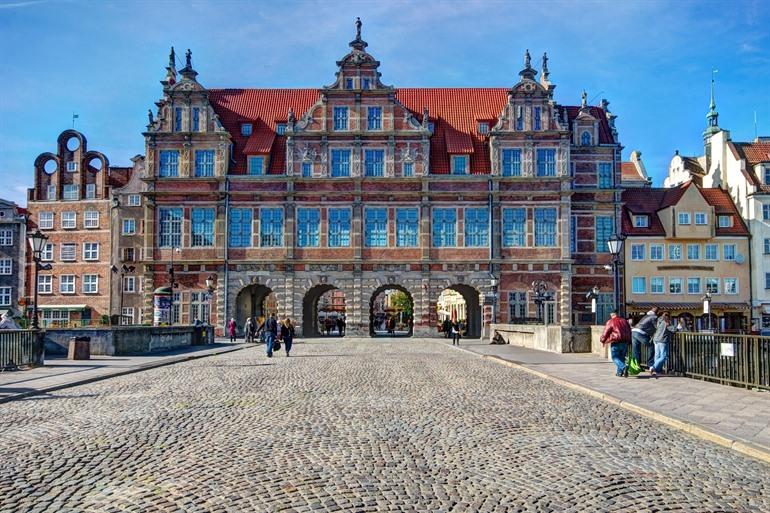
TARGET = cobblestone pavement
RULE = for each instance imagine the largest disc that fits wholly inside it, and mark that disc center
(354, 425)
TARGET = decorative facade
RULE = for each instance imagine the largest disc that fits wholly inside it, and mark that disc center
(285, 194)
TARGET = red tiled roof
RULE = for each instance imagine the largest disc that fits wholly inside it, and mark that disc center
(628, 172)
(723, 204)
(605, 133)
(260, 140)
(457, 142)
(755, 153)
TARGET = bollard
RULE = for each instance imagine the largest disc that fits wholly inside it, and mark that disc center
(79, 348)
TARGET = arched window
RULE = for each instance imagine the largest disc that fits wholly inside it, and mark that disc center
(585, 139)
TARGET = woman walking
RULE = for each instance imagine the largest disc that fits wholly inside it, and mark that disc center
(287, 334)
(231, 329)
(248, 329)
(456, 334)
(661, 339)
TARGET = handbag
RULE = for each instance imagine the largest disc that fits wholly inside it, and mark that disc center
(633, 366)
(276, 345)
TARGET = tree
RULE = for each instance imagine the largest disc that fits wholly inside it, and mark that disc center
(401, 302)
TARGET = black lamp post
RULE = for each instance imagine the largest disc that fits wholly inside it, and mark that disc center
(615, 245)
(37, 241)
(210, 285)
(539, 295)
(122, 272)
(494, 282)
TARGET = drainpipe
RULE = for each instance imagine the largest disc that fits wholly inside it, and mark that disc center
(490, 203)
(227, 248)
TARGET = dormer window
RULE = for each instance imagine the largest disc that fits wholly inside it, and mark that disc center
(365, 83)
(459, 164)
(246, 129)
(701, 218)
(641, 222)
(348, 83)
(585, 138)
(72, 167)
(340, 118)
(684, 218)
(483, 127)
(725, 221)
(280, 128)
(256, 165)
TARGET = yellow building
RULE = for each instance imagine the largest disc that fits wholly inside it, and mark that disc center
(686, 244)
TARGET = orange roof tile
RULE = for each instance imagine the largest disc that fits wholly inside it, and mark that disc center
(628, 172)
(260, 140)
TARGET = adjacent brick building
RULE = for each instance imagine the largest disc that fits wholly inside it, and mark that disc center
(13, 251)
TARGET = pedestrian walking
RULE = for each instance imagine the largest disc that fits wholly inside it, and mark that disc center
(641, 335)
(248, 330)
(456, 333)
(617, 333)
(340, 325)
(446, 327)
(662, 339)
(231, 326)
(287, 335)
(270, 330)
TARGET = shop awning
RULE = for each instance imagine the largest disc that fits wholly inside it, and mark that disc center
(690, 306)
(68, 308)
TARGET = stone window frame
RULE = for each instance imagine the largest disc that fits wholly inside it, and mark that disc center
(439, 236)
(168, 163)
(203, 227)
(514, 169)
(338, 229)
(379, 171)
(341, 123)
(517, 300)
(271, 227)
(241, 224)
(376, 119)
(205, 163)
(308, 227)
(542, 221)
(407, 169)
(480, 237)
(545, 167)
(407, 227)
(374, 237)
(344, 169)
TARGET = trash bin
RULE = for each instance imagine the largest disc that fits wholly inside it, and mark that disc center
(79, 348)
(197, 336)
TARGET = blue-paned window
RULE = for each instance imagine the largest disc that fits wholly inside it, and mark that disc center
(196, 119)
(271, 227)
(340, 118)
(476, 227)
(546, 162)
(204, 162)
(519, 118)
(169, 163)
(340, 162)
(348, 83)
(545, 227)
(376, 227)
(178, 119)
(605, 175)
(573, 222)
(605, 227)
(374, 162)
(280, 128)
(240, 227)
(585, 139)
(459, 164)
(512, 162)
(308, 227)
(169, 227)
(365, 83)
(339, 227)
(444, 221)
(374, 118)
(408, 169)
(202, 227)
(256, 165)
(307, 169)
(514, 227)
(407, 227)
(537, 116)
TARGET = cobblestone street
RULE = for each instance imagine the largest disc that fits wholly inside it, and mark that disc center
(354, 425)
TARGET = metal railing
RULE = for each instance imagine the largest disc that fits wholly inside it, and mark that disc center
(737, 360)
(20, 348)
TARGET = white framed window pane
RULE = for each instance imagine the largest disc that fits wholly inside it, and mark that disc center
(69, 220)
(656, 285)
(511, 162)
(712, 285)
(340, 162)
(134, 200)
(638, 285)
(45, 284)
(701, 218)
(46, 221)
(271, 227)
(637, 252)
(476, 227)
(376, 227)
(407, 169)
(656, 251)
(374, 162)
(6, 237)
(339, 227)
(546, 162)
(515, 227)
(731, 285)
(545, 227)
(256, 165)
(407, 227)
(204, 163)
(6, 266)
(684, 218)
(340, 118)
(675, 285)
(47, 253)
(50, 192)
(5, 296)
(169, 163)
(129, 226)
(202, 227)
(693, 286)
(674, 251)
(90, 251)
(308, 227)
(91, 219)
(170, 227)
(70, 192)
(90, 283)
(240, 227)
(129, 284)
(444, 223)
(711, 252)
(728, 252)
(90, 190)
(693, 252)
(67, 284)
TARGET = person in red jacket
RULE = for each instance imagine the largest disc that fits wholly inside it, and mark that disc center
(617, 333)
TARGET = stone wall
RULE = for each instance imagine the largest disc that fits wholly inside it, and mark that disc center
(128, 340)
(553, 338)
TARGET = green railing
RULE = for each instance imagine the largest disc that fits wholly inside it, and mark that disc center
(738, 360)
(20, 348)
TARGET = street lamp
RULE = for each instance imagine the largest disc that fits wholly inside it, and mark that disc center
(615, 245)
(123, 271)
(707, 309)
(539, 295)
(592, 295)
(173, 283)
(37, 241)
(494, 282)
(210, 281)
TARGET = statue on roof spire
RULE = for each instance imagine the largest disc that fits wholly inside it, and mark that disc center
(358, 28)
(172, 58)
(188, 59)
(527, 59)
(584, 99)
(545, 63)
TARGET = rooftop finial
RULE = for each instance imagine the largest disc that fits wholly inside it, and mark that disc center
(188, 59)
(528, 72)
(170, 70)
(545, 65)
(358, 43)
(527, 59)
(712, 125)
(172, 58)
(358, 28)
(584, 99)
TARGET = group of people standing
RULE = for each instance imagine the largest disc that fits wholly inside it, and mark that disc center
(328, 324)
(271, 332)
(453, 329)
(654, 329)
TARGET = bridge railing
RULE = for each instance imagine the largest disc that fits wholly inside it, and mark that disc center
(21, 348)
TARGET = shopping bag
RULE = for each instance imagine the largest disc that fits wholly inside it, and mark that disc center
(633, 367)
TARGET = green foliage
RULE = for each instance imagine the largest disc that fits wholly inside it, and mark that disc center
(401, 302)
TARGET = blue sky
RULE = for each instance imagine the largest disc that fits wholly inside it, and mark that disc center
(652, 60)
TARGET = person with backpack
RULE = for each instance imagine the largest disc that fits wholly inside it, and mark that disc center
(641, 334)
(270, 329)
(662, 339)
(617, 333)
(287, 334)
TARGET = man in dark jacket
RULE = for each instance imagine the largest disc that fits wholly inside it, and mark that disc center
(617, 333)
(641, 334)
(270, 327)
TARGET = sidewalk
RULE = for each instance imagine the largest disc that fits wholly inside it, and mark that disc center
(58, 372)
(729, 416)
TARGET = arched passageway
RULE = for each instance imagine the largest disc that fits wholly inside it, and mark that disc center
(391, 312)
(323, 311)
(460, 304)
(255, 301)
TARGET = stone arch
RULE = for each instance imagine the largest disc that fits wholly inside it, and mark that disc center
(90, 156)
(473, 317)
(64, 139)
(310, 307)
(377, 292)
(250, 302)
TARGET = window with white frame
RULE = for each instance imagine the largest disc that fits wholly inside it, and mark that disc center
(407, 169)
(199, 306)
(6, 265)
(69, 220)
(240, 227)
(176, 301)
(67, 284)
(340, 162)
(129, 284)
(340, 118)
(46, 254)
(476, 227)
(656, 251)
(90, 251)
(128, 254)
(204, 163)
(693, 286)
(712, 285)
(134, 200)
(68, 252)
(728, 252)
(459, 164)
(374, 161)
(45, 284)
(711, 252)
(72, 166)
(483, 127)
(546, 162)
(638, 285)
(656, 285)
(693, 252)
(731, 286)
(674, 251)
(246, 129)
(684, 218)
(50, 192)
(6, 237)
(374, 118)
(256, 165)
(407, 227)
(637, 252)
(701, 218)
(169, 227)
(202, 227)
(90, 190)
(641, 222)
(169, 164)
(91, 219)
(512, 162)
(129, 227)
(444, 227)
(675, 285)
(339, 227)
(517, 306)
(5, 296)
(280, 128)
(725, 221)
(307, 169)
(514, 227)
(90, 283)
(55, 317)
(766, 212)
(308, 227)
(545, 227)
(376, 227)
(271, 227)
(45, 221)
(127, 316)
(70, 192)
